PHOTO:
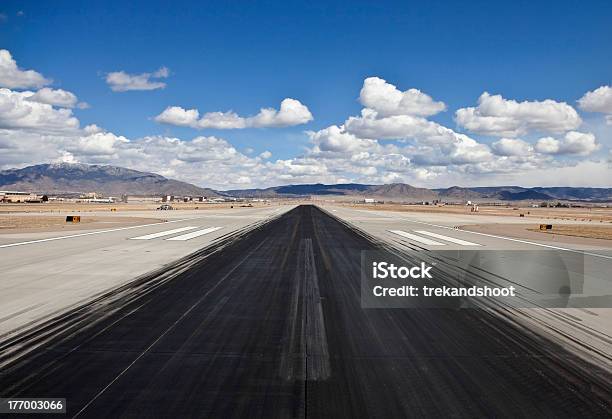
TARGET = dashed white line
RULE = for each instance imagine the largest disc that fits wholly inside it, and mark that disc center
(447, 238)
(163, 233)
(416, 238)
(194, 234)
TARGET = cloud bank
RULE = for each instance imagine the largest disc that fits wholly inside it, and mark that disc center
(392, 139)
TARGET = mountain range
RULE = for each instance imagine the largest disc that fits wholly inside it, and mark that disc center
(69, 178)
(404, 192)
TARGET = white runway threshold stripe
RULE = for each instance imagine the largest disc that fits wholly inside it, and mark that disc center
(416, 238)
(194, 234)
(447, 238)
(163, 233)
(91, 233)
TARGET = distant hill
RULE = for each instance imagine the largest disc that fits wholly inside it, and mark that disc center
(524, 196)
(458, 193)
(405, 192)
(602, 194)
(67, 178)
(401, 190)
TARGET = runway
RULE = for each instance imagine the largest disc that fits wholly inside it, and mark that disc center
(270, 324)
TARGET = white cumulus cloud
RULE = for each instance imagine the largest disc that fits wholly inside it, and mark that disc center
(97, 144)
(13, 77)
(220, 120)
(120, 81)
(335, 139)
(512, 147)
(434, 142)
(388, 100)
(573, 142)
(370, 125)
(56, 97)
(175, 115)
(598, 100)
(17, 111)
(501, 117)
(292, 112)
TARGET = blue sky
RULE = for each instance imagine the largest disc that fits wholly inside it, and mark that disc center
(243, 56)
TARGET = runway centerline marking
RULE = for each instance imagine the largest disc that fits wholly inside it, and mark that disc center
(416, 238)
(317, 352)
(91, 233)
(163, 233)
(194, 234)
(447, 238)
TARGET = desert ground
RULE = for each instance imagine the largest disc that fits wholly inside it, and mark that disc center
(593, 213)
(45, 217)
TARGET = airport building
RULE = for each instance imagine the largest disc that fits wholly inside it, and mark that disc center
(17, 197)
(173, 198)
(141, 198)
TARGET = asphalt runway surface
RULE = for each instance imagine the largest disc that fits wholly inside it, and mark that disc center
(268, 324)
